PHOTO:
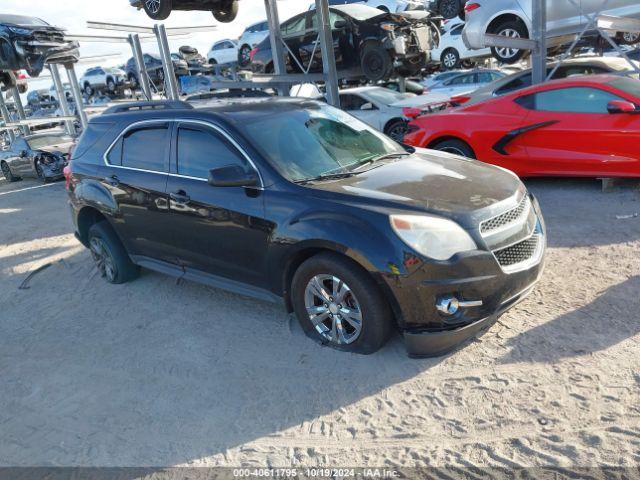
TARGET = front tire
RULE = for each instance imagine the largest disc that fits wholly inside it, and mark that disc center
(109, 254)
(6, 171)
(227, 12)
(158, 9)
(512, 29)
(456, 147)
(339, 304)
(375, 62)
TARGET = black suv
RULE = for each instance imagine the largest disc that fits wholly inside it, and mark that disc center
(296, 200)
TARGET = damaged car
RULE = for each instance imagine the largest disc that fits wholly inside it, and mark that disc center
(42, 155)
(29, 43)
(363, 37)
(224, 11)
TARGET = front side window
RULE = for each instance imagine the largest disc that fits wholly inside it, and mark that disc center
(200, 150)
(316, 140)
(570, 100)
(143, 148)
(294, 26)
(351, 102)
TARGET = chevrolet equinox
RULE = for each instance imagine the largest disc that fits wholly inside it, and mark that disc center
(296, 200)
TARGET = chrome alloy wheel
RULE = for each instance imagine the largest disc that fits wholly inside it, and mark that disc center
(333, 309)
(103, 259)
(508, 52)
(153, 6)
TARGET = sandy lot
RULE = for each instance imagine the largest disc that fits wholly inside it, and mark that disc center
(155, 373)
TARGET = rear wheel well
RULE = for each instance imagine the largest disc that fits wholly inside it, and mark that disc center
(87, 217)
(509, 17)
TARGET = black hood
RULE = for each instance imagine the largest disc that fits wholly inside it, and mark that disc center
(435, 182)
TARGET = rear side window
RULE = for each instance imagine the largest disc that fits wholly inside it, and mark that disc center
(142, 148)
(200, 150)
(569, 100)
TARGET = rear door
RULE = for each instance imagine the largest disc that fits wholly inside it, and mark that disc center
(218, 230)
(577, 136)
(135, 172)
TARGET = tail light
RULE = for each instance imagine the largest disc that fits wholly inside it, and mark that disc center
(470, 7)
(411, 113)
(253, 53)
(460, 99)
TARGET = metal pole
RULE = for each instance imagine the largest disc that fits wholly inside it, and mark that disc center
(170, 82)
(141, 68)
(328, 56)
(277, 43)
(62, 98)
(77, 96)
(6, 117)
(15, 94)
(539, 55)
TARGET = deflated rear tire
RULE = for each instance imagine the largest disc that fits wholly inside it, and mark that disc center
(109, 254)
(339, 304)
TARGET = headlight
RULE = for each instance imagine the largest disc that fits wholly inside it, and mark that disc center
(20, 31)
(434, 237)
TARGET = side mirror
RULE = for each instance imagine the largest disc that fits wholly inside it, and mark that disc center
(339, 24)
(367, 106)
(621, 106)
(232, 176)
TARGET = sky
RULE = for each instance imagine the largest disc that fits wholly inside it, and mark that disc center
(74, 14)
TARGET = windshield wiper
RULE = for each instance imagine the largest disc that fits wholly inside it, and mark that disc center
(327, 176)
(378, 158)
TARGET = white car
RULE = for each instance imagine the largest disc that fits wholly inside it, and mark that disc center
(223, 52)
(252, 36)
(466, 82)
(99, 78)
(451, 51)
(383, 108)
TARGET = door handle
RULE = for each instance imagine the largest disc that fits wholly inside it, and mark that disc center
(180, 197)
(112, 180)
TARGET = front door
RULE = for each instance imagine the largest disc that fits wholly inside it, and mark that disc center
(579, 137)
(218, 230)
(136, 175)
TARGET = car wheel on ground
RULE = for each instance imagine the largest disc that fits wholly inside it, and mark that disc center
(339, 304)
(158, 9)
(244, 57)
(375, 62)
(512, 29)
(226, 12)
(450, 59)
(455, 146)
(109, 254)
(396, 129)
(6, 171)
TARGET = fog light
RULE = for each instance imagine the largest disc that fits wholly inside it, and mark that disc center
(448, 305)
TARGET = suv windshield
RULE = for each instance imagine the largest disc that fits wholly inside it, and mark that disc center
(315, 141)
(47, 140)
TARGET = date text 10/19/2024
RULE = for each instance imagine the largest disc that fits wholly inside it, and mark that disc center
(319, 473)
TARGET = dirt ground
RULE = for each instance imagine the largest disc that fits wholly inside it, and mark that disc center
(153, 373)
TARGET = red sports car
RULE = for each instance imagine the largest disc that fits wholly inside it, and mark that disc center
(583, 126)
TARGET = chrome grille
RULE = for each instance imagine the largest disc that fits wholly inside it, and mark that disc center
(507, 218)
(518, 253)
(49, 37)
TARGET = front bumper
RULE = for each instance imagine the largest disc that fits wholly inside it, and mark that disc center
(485, 287)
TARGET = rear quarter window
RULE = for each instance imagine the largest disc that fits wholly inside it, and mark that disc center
(95, 137)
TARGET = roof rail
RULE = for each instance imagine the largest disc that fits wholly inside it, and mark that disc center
(153, 105)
